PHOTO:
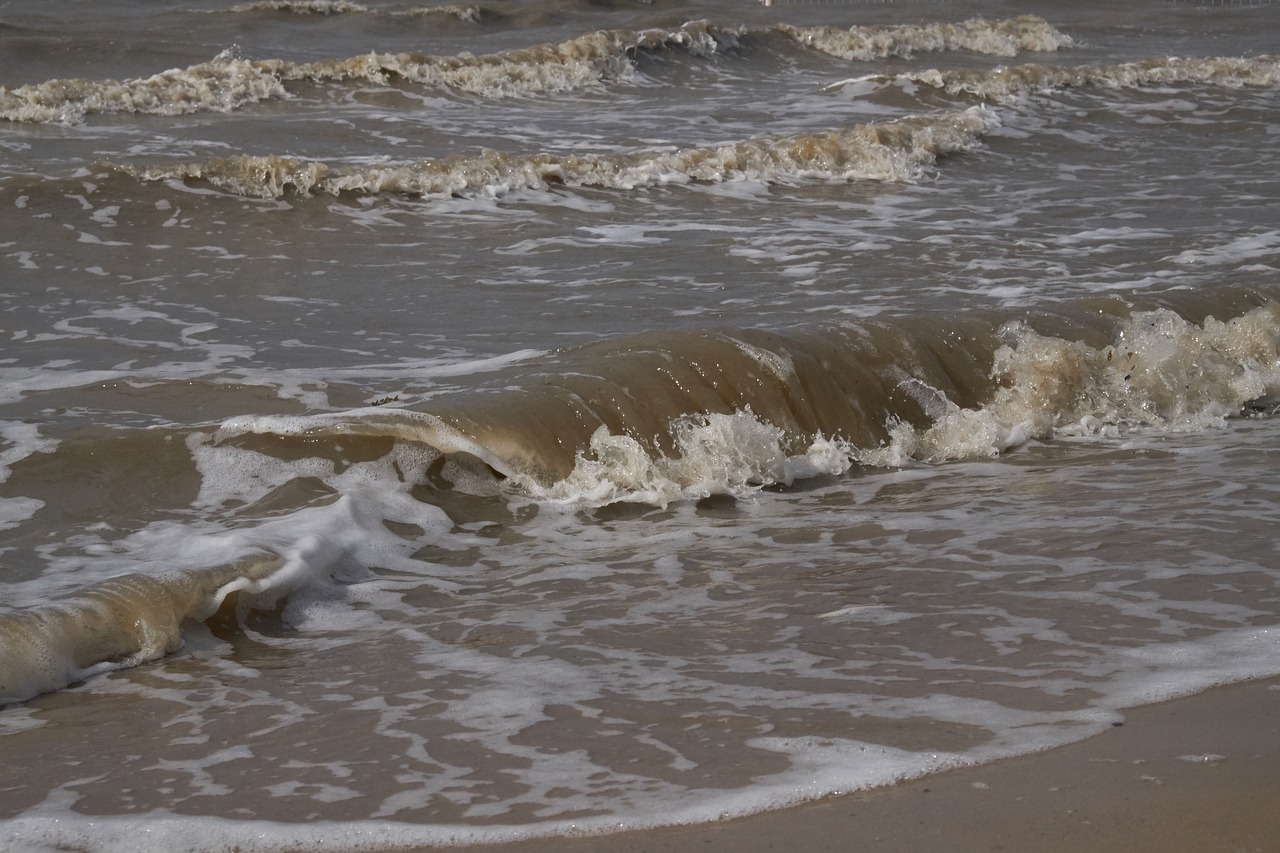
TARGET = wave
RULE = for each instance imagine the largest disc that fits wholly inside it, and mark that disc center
(1003, 84)
(695, 413)
(223, 85)
(470, 14)
(657, 418)
(997, 38)
(588, 61)
(890, 151)
(118, 623)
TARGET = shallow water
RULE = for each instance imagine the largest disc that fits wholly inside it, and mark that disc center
(412, 435)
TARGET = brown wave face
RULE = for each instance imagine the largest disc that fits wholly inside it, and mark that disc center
(121, 622)
(923, 387)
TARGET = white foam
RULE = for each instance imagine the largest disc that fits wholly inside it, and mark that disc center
(1234, 251)
(899, 150)
(819, 766)
(1161, 372)
(715, 455)
(1007, 83)
(1006, 37)
(221, 85)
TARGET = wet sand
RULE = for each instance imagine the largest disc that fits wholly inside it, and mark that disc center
(1196, 774)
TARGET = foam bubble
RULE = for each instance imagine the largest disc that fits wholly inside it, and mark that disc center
(891, 151)
(1002, 84)
(1000, 38)
(222, 85)
(1161, 371)
(716, 454)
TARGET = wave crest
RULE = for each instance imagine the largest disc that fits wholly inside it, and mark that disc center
(890, 151)
(1161, 371)
(1003, 84)
(1007, 37)
(470, 14)
(115, 624)
(223, 85)
(584, 62)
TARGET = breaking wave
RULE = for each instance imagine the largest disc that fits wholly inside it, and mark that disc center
(1005, 83)
(660, 417)
(890, 151)
(118, 623)
(587, 61)
(223, 85)
(997, 38)
(470, 14)
(657, 418)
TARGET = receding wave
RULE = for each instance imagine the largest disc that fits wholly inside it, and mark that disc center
(890, 151)
(587, 61)
(344, 7)
(1002, 84)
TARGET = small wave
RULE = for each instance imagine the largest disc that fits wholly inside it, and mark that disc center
(890, 151)
(581, 62)
(1003, 84)
(1007, 37)
(227, 83)
(223, 85)
(116, 624)
(471, 14)
(587, 61)
(302, 7)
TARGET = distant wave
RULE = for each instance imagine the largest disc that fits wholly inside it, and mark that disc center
(1002, 84)
(997, 38)
(471, 14)
(891, 151)
(222, 85)
(591, 60)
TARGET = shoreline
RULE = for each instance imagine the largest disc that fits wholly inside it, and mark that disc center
(1200, 773)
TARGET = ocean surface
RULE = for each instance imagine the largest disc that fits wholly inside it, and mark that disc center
(429, 424)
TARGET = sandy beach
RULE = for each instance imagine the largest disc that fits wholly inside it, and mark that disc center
(1188, 776)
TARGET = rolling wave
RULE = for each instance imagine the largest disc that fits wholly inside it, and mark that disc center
(890, 151)
(997, 38)
(588, 61)
(121, 622)
(1003, 84)
(471, 14)
(924, 387)
(656, 418)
